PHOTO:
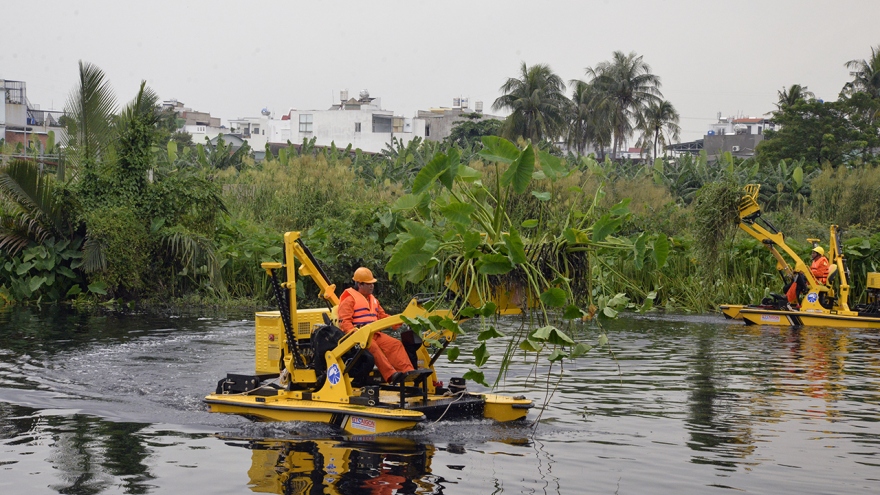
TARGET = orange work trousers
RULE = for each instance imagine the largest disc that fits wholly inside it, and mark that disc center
(389, 354)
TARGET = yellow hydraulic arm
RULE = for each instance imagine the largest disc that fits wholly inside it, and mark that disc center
(294, 249)
(749, 215)
(838, 266)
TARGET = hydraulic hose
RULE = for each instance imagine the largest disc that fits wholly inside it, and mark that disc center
(285, 319)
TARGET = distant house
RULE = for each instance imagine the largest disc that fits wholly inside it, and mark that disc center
(231, 140)
(632, 154)
(439, 122)
(252, 129)
(739, 136)
(21, 121)
(200, 125)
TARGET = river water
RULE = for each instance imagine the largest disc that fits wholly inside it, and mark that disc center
(111, 403)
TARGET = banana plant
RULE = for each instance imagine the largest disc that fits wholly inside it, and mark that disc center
(786, 184)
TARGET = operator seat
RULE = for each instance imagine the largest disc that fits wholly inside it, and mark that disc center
(325, 338)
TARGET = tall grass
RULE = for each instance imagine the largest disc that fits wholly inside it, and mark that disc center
(848, 197)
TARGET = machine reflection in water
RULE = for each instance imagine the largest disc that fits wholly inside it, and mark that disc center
(371, 464)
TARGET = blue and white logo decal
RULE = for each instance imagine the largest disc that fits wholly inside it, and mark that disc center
(333, 374)
(812, 297)
(363, 423)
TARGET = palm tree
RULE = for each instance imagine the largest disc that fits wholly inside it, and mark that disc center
(34, 209)
(89, 116)
(589, 118)
(180, 244)
(31, 208)
(866, 75)
(792, 95)
(537, 102)
(628, 85)
(580, 113)
(660, 121)
(136, 131)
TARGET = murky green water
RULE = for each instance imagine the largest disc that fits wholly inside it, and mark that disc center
(112, 404)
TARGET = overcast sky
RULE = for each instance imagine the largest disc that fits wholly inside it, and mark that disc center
(234, 58)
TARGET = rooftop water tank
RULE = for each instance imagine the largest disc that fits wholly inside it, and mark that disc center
(710, 133)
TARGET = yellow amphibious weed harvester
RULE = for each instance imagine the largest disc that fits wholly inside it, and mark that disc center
(819, 304)
(306, 369)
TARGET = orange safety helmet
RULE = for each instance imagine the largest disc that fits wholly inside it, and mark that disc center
(363, 275)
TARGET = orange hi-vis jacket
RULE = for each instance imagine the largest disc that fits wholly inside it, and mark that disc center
(355, 311)
(359, 311)
(819, 267)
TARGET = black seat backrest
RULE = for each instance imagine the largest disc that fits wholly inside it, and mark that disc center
(411, 343)
(832, 274)
(801, 282)
(325, 338)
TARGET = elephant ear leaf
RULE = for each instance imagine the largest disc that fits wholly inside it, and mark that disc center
(520, 171)
(408, 257)
(497, 149)
(458, 212)
(494, 264)
(429, 174)
(551, 165)
(639, 251)
(515, 247)
(453, 160)
(554, 297)
(408, 202)
(661, 250)
(606, 226)
(476, 376)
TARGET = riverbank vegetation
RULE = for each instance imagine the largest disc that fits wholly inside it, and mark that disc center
(133, 212)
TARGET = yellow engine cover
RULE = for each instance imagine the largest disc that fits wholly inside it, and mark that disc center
(270, 338)
(873, 280)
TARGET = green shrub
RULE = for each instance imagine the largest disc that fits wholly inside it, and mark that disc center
(124, 242)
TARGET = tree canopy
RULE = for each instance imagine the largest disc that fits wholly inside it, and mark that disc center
(537, 102)
(628, 86)
(836, 132)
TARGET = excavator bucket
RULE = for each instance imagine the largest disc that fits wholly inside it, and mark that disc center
(748, 205)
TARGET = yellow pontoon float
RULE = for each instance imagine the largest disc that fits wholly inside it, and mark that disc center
(307, 369)
(820, 304)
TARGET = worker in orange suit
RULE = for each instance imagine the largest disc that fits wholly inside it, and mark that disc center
(358, 307)
(819, 265)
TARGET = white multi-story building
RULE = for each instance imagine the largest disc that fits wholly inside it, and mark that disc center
(361, 122)
(255, 130)
(740, 125)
